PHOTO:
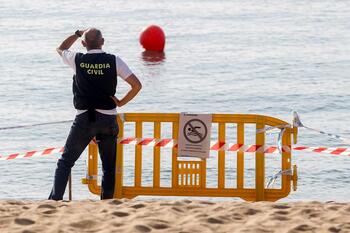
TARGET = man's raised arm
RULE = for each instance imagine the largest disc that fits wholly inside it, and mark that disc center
(67, 43)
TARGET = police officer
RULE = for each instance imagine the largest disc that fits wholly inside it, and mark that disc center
(94, 87)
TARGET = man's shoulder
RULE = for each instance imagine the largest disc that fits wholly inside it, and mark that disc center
(68, 57)
(99, 54)
(111, 55)
(67, 51)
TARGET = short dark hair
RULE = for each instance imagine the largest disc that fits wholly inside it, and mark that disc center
(93, 42)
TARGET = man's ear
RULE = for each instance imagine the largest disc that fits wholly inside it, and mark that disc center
(102, 41)
(83, 43)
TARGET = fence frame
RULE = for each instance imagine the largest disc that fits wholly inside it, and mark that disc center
(259, 193)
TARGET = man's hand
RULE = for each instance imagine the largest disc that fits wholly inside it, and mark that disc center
(136, 86)
(81, 32)
(67, 43)
(116, 101)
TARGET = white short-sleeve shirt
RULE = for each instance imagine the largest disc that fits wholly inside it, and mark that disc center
(123, 71)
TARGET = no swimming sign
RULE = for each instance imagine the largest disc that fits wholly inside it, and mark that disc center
(194, 135)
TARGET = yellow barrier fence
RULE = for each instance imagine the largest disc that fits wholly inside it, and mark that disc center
(188, 177)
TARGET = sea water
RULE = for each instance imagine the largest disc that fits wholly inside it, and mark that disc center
(236, 56)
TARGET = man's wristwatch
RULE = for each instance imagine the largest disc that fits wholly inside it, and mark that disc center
(77, 33)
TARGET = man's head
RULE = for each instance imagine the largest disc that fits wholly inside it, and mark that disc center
(93, 39)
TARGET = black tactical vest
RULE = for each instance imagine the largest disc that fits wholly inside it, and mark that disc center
(95, 81)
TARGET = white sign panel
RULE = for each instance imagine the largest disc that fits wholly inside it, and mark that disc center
(194, 135)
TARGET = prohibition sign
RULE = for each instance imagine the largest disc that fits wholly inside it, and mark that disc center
(195, 131)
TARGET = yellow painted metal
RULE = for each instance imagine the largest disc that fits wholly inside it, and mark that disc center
(286, 159)
(156, 156)
(203, 175)
(295, 135)
(295, 177)
(221, 158)
(188, 177)
(91, 178)
(260, 162)
(138, 155)
(174, 174)
(240, 156)
(118, 188)
(189, 173)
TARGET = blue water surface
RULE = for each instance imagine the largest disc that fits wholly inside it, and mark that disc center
(235, 56)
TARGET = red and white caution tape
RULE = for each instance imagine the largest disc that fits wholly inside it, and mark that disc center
(214, 145)
(326, 150)
(30, 154)
(222, 146)
(172, 143)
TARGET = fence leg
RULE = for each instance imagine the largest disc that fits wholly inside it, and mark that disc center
(70, 187)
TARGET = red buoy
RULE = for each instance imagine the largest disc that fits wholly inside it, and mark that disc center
(152, 38)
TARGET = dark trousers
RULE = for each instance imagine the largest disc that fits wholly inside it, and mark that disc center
(105, 129)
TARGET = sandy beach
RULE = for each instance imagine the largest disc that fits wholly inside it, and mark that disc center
(172, 216)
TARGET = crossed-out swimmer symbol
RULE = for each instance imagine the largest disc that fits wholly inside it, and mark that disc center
(193, 131)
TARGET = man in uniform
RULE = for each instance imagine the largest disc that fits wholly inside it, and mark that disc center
(94, 87)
